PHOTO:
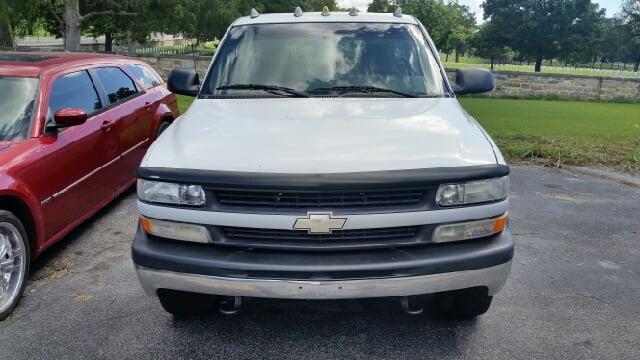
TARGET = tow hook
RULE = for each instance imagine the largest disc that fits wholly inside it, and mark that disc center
(230, 305)
(411, 305)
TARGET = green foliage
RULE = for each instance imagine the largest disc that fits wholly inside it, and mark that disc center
(380, 6)
(631, 17)
(118, 19)
(488, 42)
(565, 29)
(449, 24)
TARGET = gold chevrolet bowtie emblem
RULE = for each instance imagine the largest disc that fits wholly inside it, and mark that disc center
(319, 223)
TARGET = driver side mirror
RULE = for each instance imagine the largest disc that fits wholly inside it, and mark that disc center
(184, 82)
(68, 117)
(473, 81)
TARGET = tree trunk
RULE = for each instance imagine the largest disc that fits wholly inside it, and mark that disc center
(132, 49)
(446, 59)
(492, 63)
(457, 57)
(108, 42)
(72, 21)
(6, 37)
(538, 62)
(636, 65)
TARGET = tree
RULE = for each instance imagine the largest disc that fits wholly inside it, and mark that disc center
(6, 34)
(631, 10)
(290, 5)
(449, 24)
(71, 20)
(547, 28)
(380, 6)
(17, 16)
(464, 27)
(488, 43)
(615, 38)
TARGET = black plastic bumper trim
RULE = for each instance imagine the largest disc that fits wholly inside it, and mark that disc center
(203, 259)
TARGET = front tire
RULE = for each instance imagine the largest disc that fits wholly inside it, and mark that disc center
(164, 125)
(464, 303)
(14, 262)
(183, 303)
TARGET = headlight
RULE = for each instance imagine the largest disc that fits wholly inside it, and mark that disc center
(473, 192)
(469, 230)
(170, 193)
(176, 230)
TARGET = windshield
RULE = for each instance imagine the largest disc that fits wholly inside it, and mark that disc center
(17, 99)
(324, 59)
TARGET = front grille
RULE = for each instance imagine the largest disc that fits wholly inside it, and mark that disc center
(337, 240)
(368, 199)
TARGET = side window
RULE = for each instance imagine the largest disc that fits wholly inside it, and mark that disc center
(145, 75)
(74, 90)
(116, 83)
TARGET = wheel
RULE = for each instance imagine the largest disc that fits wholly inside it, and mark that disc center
(464, 303)
(14, 262)
(183, 304)
(162, 127)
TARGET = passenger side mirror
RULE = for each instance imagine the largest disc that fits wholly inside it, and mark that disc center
(184, 82)
(473, 81)
(69, 117)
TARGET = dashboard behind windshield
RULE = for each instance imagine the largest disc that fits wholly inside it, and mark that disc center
(316, 57)
(17, 99)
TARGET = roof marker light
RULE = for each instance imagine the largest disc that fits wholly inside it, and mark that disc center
(325, 11)
(398, 12)
(298, 12)
(254, 13)
(353, 11)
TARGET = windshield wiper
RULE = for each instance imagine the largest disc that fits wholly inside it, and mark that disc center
(273, 89)
(365, 89)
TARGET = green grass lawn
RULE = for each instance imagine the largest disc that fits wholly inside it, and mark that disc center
(184, 102)
(562, 132)
(556, 133)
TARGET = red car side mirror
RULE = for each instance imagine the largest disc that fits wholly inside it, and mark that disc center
(69, 117)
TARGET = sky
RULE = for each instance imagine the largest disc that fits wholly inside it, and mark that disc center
(612, 6)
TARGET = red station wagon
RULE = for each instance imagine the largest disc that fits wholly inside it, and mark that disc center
(73, 129)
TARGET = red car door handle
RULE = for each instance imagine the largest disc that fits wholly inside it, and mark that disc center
(147, 106)
(106, 125)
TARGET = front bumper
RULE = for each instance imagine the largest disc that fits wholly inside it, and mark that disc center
(165, 264)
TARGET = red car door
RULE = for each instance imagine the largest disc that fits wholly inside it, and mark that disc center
(81, 167)
(132, 108)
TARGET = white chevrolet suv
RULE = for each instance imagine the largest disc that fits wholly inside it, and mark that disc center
(324, 157)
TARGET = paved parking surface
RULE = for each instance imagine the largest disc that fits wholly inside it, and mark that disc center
(573, 293)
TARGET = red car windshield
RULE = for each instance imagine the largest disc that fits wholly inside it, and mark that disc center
(17, 100)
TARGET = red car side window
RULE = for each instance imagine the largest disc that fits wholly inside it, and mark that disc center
(116, 83)
(145, 75)
(74, 90)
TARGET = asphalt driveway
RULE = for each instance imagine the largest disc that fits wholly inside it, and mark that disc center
(573, 293)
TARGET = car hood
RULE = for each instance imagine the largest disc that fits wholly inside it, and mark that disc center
(322, 135)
